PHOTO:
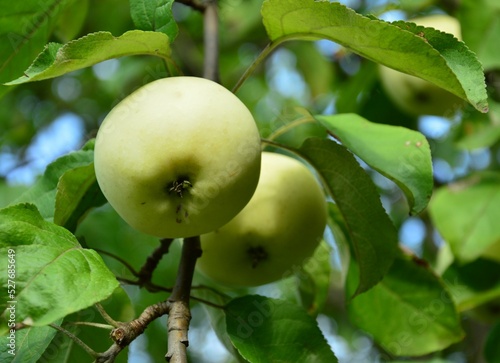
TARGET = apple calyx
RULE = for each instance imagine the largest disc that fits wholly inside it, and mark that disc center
(257, 254)
(179, 185)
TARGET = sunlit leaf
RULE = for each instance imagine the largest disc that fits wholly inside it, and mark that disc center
(58, 59)
(400, 154)
(423, 52)
(55, 276)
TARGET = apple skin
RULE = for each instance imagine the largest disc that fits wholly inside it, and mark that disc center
(492, 252)
(179, 157)
(274, 234)
(414, 95)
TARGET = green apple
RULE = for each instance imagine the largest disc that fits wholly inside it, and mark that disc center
(178, 157)
(274, 234)
(415, 95)
(492, 252)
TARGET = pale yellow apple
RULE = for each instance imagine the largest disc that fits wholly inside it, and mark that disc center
(178, 157)
(415, 95)
(274, 234)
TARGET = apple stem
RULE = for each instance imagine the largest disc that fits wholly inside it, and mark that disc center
(179, 314)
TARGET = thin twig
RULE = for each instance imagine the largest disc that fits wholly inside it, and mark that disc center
(284, 129)
(106, 316)
(260, 58)
(74, 338)
(279, 145)
(119, 259)
(206, 302)
(150, 287)
(211, 289)
(211, 41)
(95, 325)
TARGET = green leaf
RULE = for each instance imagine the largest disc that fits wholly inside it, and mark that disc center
(356, 91)
(57, 59)
(423, 52)
(43, 192)
(473, 284)
(8, 193)
(466, 214)
(55, 276)
(77, 192)
(400, 154)
(342, 252)
(316, 69)
(314, 279)
(25, 27)
(409, 313)
(486, 137)
(492, 348)
(480, 25)
(71, 21)
(155, 16)
(270, 330)
(217, 319)
(413, 6)
(479, 130)
(104, 229)
(30, 344)
(372, 234)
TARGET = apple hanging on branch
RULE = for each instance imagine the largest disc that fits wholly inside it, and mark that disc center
(178, 157)
(278, 229)
(415, 95)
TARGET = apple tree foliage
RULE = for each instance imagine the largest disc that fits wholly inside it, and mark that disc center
(72, 251)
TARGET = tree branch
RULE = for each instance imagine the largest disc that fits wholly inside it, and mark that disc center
(146, 272)
(125, 333)
(211, 41)
(180, 315)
